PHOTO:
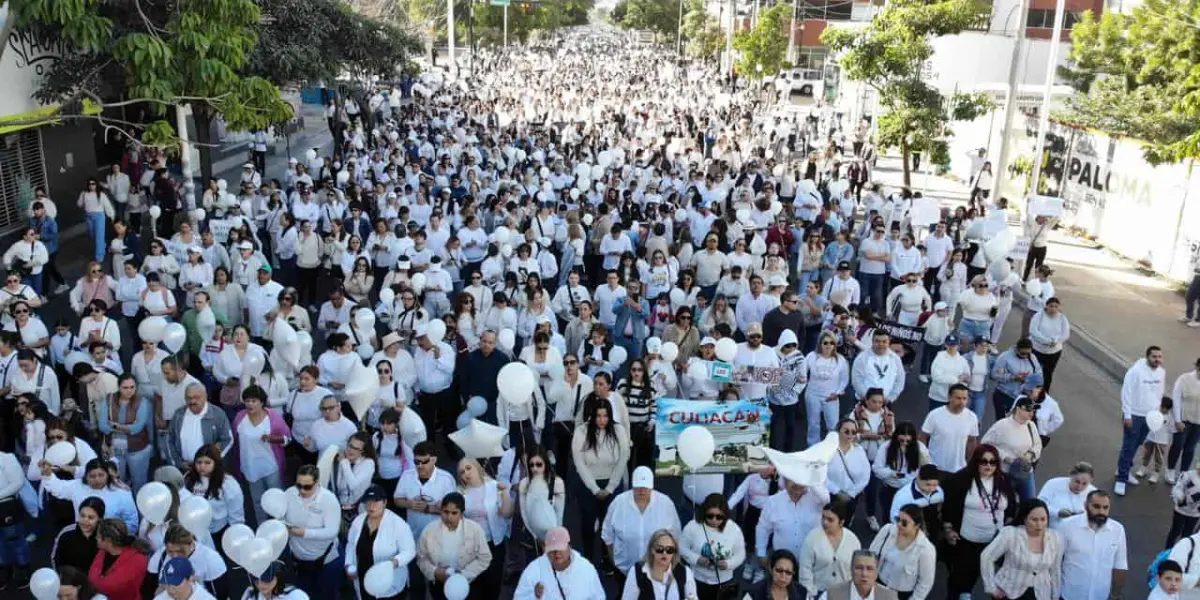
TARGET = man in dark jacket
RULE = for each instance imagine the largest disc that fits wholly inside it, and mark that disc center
(786, 316)
(483, 366)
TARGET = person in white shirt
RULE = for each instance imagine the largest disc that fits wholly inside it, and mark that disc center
(613, 246)
(714, 547)
(208, 480)
(660, 574)
(880, 368)
(924, 492)
(908, 299)
(1095, 558)
(788, 517)
(180, 580)
(905, 260)
(850, 470)
(420, 491)
(907, 557)
(828, 550)
(391, 541)
(560, 569)
(948, 368)
(332, 429)
(1169, 581)
(753, 353)
(951, 431)
(1065, 496)
(434, 363)
(262, 299)
(633, 517)
(874, 254)
(1141, 392)
(314, 518)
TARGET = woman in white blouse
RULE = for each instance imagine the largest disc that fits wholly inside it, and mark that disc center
(1032, 555)
(907, 559)
(541, 493)
(304, 405)
(827, 552)
(34, 335)
(393, 454)
(261, 435)
(336, 362)
(97, 327)
(391, 393)
(660, 574)
(828, 377)
(158, 261)
(489, 504)
(850, 469)
(1065, 496)
(715, 547)
(208, 480)
(979, 502)
(196, 274)
(355, 471)
(128, 289)
(896, 465)
(229, 363)
(382, 536)
(30, 255)
(157, 299)
(531, 315)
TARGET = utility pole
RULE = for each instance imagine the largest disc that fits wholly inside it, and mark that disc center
(1010, 101)
(450, 35)
(1044, 117)
(729, 38)
(679, 32)
(471, 35)
(791, 51)
(506, 25)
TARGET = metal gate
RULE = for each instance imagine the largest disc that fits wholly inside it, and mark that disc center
(22, 169)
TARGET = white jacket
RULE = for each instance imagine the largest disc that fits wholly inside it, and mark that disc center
(393, 542)
(1142, 390)
(946, 371)
(823, 566)
(1191, 568)
(728, 545)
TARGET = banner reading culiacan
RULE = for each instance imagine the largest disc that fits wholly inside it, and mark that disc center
(738, 426)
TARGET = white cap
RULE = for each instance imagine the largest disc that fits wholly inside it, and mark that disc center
(420, 330)
(245, 246)
(643, 477)
(708, 341)
(248, 166)
(195, 249)
(787, 337)
(940, 306)
(653, 345)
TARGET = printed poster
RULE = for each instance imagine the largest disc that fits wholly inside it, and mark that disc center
(738, 426)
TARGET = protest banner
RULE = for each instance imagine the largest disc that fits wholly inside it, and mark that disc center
(906, 339)
(1045, 206)
(723, 372)
(925, 212)
(1020, 249)
(220, 229)
(738, 426)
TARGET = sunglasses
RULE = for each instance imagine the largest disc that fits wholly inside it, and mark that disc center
(539, 464)
(684, 318)
(21, 311)
(95, 271)
(384, 372)
(668, 550)
(715, 516)
(423, 461)
(991, 462)
(305, 487)
(14, 281)
(849, 432)
(328, 408)
(828, 343)
(637, 370)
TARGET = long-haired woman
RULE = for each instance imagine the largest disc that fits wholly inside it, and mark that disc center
(120, 565)
(600, 449)
(208, 480)
(75, 545)
(1031, 553)
(895, 466)
(979, 502)
(714, 547)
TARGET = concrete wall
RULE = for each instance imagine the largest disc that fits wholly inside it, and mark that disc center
(65, 182)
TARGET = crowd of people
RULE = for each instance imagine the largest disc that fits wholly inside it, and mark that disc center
(607, 223)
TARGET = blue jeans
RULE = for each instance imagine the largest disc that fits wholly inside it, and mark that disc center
(807, 276)
(135, 468)
(1183, 443)
(1131, 438)
(970, 329)
(977, 402)
(928, 354)
(784, 423)
(34, 281)
(814, 408)
(95, 227)
(14, 548)
(1024, 484)
(324, 582)
(1002, 403)
(872, 290)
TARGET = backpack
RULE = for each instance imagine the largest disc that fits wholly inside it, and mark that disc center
(1152, 572)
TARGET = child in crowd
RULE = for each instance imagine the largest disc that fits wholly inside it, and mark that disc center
(1170, 581)
(1158, 442)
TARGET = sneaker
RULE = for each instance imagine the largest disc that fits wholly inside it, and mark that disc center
(1132, 479)
(1140, 472)
(873, 523)
(1184, 319)
(1119, 488)
(61, 289)
(924, 378)
(1193, 324)
(1153, 478)
(1172, 475)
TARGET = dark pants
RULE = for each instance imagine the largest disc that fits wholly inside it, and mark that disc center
(325, 582)
(1131, 438)
(591, 512)
(1001, 403)
(887, 494)
(1181, 527)
(1192, 299)
(1049, 363)
(785, 427)
(713, 592)
(1183, 444)
(51, 274)
(642, 452)
(929, 353)
(872, 285)
(557, 439)
(962, 559)
(1036, 257)
(306, 287)
(260, 162)
(439, 411)
(287, 272)
(520, 435)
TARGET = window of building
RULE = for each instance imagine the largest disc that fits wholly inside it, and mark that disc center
(21, 170)
(1044, 18)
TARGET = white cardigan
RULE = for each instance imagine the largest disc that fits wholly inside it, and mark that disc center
(730, 543)
(497, 524)
(394, 542)
(911, 569)
(822, 566)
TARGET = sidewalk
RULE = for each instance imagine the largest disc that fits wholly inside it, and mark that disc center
(1116, 309)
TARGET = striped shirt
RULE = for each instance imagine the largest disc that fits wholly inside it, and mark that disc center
(639, 398)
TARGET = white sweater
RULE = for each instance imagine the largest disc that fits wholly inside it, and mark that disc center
(821, 565)
(1048, 334)
(1142, 389)
(946, 371)
(977, 307)
(728, 545)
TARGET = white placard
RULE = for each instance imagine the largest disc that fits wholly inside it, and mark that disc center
(925, 212)
(1020, 250)
(1045, 206)
(220, 229)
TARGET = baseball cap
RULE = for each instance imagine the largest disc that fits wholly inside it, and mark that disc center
(420, 330)
(952, 339)
(708, 341)
(1033, 380)
(754, 329)
(643, 477)
(844, 266)
(176, 571)
(940, 306)
(265, 267)
(558, 539)
(374, 493)
(1023, 402)
(245, 246)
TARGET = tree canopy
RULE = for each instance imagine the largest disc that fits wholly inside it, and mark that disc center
(765, 44)
(1139, 75)
(658, 16)
(888, 56)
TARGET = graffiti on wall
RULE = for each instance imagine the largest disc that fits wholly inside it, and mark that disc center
(35, 49)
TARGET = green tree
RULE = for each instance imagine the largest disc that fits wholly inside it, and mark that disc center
(659, 16)
(702, 35)
(765, 44)
(1138, 75)
(188, 54)
(888, 56)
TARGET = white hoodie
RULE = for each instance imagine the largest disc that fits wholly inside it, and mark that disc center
(1142, 390)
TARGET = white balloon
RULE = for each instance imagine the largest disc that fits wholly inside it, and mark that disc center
(776, 208)
(507, 339)
(1034, 287)
(436, 330)
(154, 501)
(587, 219)
(206, 324)
(174, 337)
(274, 503)
(696, 446)
(1000, 270)
(500, 236)
(195, 514)
(305, 342)
(480, 440)
(505, 251)
(310, 154)
(597, 172)
(1154, 420)
(999, 246)
(236, 538)
(678, 297)
(252, 366)
(417, 282)
(516, 382)
(669, 351)
(60, 454)
(222, 185)
(44, 584)
(575, 193)
(199, 214)
(617, 356)
(343, 177)
(364, 319)
(151, 329)
(379, 579)
(387, 296)
(286, 341)
(456, 587)
(361, 388)
(605, 158)
(412, 428)
(743, 215)
(257, 555)
(726, 349)
(276, 532)
(155, 212)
